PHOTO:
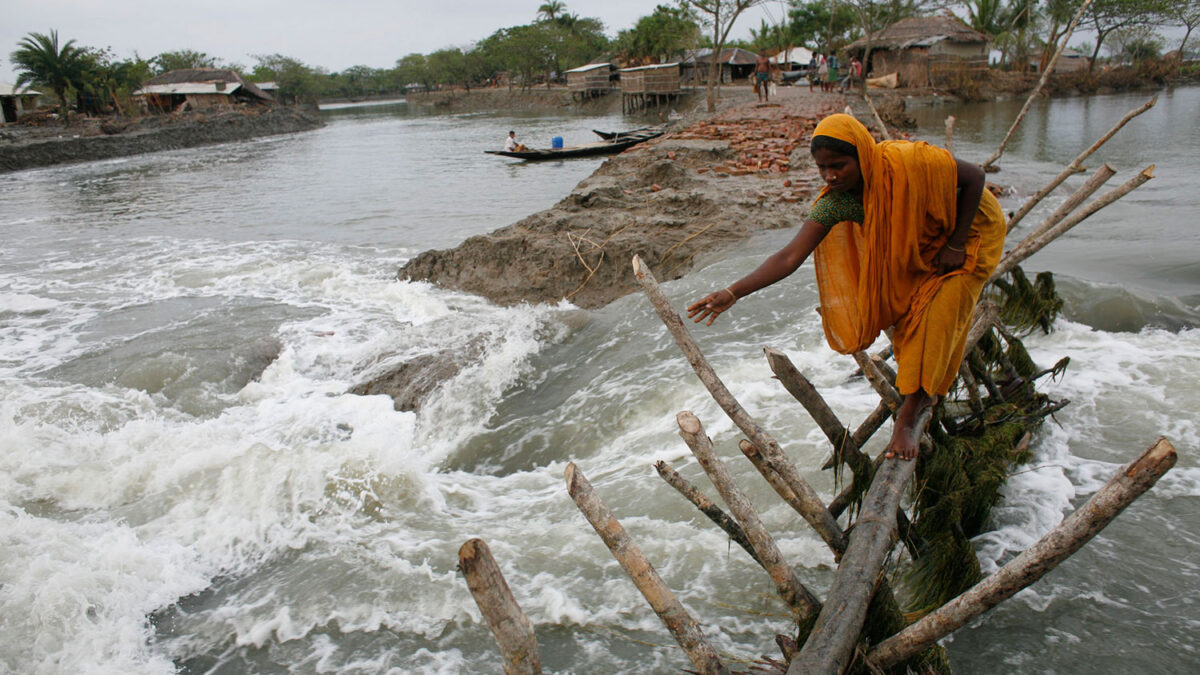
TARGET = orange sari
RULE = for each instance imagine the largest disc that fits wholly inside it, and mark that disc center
(880, 273)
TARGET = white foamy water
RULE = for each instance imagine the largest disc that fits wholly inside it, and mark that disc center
(185, 483)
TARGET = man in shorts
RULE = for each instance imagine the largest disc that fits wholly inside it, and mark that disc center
(762, 77)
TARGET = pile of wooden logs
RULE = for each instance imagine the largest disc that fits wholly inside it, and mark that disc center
(857, 627)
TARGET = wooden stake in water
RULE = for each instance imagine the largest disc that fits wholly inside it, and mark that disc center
(512, 628)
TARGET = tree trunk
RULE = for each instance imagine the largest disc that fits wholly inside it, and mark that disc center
(1032, 564)
(834, 636)
(814, 510)
(512, 629)
(1076, 163)
(684, 628)
(803, 603)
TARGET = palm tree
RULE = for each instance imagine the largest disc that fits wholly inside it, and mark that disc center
(550, 10)
(41, 62)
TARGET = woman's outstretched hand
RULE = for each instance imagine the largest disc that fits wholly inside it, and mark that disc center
(711, 306)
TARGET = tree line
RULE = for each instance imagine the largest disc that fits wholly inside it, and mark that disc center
(92, 80)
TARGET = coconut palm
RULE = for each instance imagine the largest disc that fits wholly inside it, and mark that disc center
(550, 10)
(41, 62)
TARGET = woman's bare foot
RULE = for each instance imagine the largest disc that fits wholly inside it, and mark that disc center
(906, 437)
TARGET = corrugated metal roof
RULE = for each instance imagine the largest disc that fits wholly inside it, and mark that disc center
(657, 65)
(794, 55)
(590, 66)
(226, 88)
(7, 89)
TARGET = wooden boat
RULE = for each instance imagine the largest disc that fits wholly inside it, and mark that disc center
(606, 147)
(610, 135)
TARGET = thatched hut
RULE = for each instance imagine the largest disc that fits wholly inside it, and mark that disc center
(199, 88)
(14, 103)
(735, 63)
(924, 51)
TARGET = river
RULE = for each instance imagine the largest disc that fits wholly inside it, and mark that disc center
(164, 507)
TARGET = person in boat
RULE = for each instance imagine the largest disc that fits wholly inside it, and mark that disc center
(511, 144)
(762, 77)
(905, 237)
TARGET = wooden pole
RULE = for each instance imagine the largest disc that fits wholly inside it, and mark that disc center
(883, 130)
(512, 628)
(1041, 83)
(813, 510)
(835, 634)
(684, 628)
(844, 446)
(1035, 244)
(706, 506)
(1098, 179)
(1073, 168)
(798, 598)
(1069, 536)
(878, 381)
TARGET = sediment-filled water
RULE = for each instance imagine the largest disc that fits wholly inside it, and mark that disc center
(185, 484)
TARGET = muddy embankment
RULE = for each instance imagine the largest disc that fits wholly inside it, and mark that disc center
(24, 147)
(503, 99)
(675, 201)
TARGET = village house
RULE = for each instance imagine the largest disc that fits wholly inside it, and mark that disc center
(735, 64)
(645, 86)
(593, 79)
(924, 51)
(199, 88)
(14, 104)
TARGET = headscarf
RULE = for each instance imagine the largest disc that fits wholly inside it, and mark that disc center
(872, 273)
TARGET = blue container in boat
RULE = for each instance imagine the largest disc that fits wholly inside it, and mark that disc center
(556, 142)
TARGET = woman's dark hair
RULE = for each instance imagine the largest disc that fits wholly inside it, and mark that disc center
(833, 145)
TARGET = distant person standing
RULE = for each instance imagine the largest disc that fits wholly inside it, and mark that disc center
(762, 77)
(853, 74)
(813, 64)
(823, 73)
(831, 79)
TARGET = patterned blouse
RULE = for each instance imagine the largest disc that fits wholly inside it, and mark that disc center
(836, 207)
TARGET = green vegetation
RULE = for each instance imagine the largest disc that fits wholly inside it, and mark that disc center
(95, 80)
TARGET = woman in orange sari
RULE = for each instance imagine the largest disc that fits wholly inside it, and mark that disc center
(905, 237)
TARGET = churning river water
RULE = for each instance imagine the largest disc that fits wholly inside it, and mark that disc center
(165, 507)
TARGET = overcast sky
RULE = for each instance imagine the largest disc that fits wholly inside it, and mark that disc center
(329, 34)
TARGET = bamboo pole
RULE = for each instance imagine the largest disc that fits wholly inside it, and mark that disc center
(1041, 83)
(798, 598)
(706, 506)
(1075, 164)
(1068, 537)
(806, 499)
(684, 628)
(513, 631)
(835, 634)
(1035, 244)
